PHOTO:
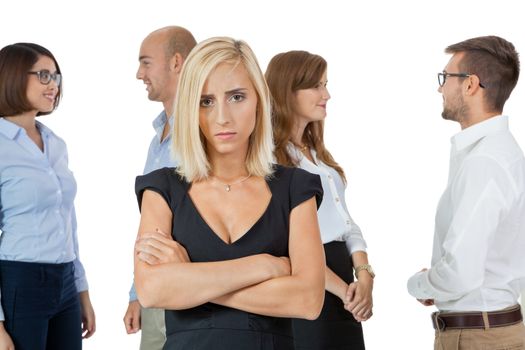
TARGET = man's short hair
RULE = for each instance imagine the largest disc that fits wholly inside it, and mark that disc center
(496, 63)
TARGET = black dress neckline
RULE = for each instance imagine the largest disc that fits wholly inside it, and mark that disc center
(212, 232)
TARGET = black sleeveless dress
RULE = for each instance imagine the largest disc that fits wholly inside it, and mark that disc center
(211, 326)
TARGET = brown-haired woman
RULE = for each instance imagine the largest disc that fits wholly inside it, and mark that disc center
(44, 291)
(297, 82)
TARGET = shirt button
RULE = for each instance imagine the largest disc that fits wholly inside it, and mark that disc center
(157, 160)
(57, 211)
(348, 222)
(59, 191)
(329, 177)
(337, 199)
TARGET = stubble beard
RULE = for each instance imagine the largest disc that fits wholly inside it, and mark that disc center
(457, 112)
(153, 95)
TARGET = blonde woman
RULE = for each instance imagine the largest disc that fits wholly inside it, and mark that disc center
(244, 254)
(297, 82)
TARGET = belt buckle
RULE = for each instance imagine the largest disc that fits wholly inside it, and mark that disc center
(438, 321)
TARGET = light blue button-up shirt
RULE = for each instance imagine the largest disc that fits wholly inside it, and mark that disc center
(37, 189)
(159, 156)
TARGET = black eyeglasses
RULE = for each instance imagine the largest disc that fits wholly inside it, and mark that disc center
(45, 76)
(442, 77)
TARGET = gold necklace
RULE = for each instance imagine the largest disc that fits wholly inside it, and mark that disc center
(227, 187)
(302, 148)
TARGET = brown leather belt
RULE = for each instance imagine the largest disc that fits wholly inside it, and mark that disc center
(475, 320)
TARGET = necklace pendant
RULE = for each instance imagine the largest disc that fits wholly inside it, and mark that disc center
(227, 188)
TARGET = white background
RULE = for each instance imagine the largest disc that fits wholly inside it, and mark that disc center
(384, 125)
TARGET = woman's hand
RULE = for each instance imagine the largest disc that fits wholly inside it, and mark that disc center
(358, 299)
(88, 315)
(5, 340)
(159, 248)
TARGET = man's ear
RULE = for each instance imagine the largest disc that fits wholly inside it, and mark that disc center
(176, 63)
(472, 85)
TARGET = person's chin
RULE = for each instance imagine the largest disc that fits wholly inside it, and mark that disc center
(320, 117)
(48, 108)
(152, 96)
(224, 149)
(447, 116)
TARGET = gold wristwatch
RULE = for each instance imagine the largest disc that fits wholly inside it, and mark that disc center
(366, 267)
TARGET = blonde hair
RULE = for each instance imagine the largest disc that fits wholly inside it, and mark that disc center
(189, 145)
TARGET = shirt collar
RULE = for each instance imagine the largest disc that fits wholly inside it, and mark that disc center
(44, 130)
(160, 122)
(477, 131)
(12, 130)
(9, 129)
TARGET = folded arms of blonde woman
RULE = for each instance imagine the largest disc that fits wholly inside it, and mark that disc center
(300, 294)
(179, 283)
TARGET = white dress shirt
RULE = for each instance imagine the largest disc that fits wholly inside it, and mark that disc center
(335, 222)
(478, 261)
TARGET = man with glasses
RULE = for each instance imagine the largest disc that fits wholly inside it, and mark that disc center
(161, 56)
(478, 261)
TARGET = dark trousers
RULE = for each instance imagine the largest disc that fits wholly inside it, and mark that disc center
(41, 305)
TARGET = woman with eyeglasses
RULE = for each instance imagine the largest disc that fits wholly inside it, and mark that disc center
(44, 295)
(297, 82)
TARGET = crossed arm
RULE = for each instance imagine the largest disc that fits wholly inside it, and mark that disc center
(263, 284)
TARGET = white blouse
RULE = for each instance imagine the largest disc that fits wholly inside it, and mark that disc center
(335, 222)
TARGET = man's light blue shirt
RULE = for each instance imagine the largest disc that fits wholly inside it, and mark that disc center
(37, 190)
(159, 156)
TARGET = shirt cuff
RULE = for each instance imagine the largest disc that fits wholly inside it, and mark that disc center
(419, 286)
(81, 284)
(80, 276)
(132, 293)
(355, 244)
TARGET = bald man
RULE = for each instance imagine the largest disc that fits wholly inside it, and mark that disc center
(161, 56)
